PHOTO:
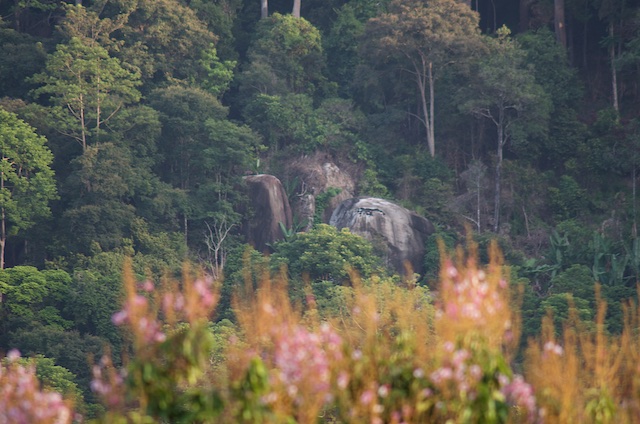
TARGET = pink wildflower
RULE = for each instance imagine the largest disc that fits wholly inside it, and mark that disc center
(520, 393)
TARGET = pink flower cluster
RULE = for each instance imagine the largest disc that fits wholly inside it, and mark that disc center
(108, 382)
(520, 393)
(553, 348)
(23, 402)
(473, 296)
(302, 357)
(456, 370)
(190, 305)
(134, 314)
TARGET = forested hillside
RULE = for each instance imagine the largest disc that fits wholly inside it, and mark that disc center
(127, 128)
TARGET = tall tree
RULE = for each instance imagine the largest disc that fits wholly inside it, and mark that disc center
(420, 39)
(26, 178)
(264, 8)
(613, 13)
(505, 93)
(87, 87)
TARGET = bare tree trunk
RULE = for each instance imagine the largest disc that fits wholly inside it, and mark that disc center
(524, 15)
(614, 74)
(478, 200)
(83, 125)
(634, 229)
(3, 237)
(559, 22)
(264, 8)
(424, 75)
(296, 8)
(3, 228)
(498, 182)
(215, 244)
(431, 136)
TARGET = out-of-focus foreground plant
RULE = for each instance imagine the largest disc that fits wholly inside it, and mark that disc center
(23, 400)
(387, 354)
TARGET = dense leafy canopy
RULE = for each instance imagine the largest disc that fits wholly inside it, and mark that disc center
(127, 126)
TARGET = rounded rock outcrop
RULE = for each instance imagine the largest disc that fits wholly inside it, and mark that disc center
(400, 232)
(268, 200)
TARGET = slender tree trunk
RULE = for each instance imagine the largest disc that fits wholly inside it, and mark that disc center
(98, 110)
(186, 228)
(264, 8)
(614, 74)
(431, 137)
(3, 228)
(424, 76)
(523, 23)
(296, 8)
(17, 11)
(634, 229)
(559, 22)
(83, 128)
(478, 200)
(421, 80)
(498, 183)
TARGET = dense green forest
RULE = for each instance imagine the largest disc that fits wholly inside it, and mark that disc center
(127, 126)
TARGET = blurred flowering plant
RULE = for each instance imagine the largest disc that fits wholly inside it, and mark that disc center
(22, 400)
(389, 354)
(170, 340)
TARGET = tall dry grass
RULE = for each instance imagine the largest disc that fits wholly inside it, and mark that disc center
(386, 353)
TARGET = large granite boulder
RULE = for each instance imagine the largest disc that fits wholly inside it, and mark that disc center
(268, 200)
(399, 232)
(314, 176)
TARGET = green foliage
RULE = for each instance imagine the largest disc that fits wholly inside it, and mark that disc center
(56, 378)
(322, 201)
(553, 72)
(576, 280)
(282, 120)
(249, 393)
(221, 18)
(31, 297)
(183, 113)
(69, 349)
(517, 113)
(165, 40)
(158, 380)
(22, 56)
(27, 183)
(291, 121)
(432, 256)
(575, 244)
(285, 56)
(218, 73)
(414, 42)
(325, 253)
(87, 86)
(560, 305)
(342, 52)
(568, 200)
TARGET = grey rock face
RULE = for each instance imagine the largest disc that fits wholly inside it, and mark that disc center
(398, 230)
(315, 175)
(270, 205)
